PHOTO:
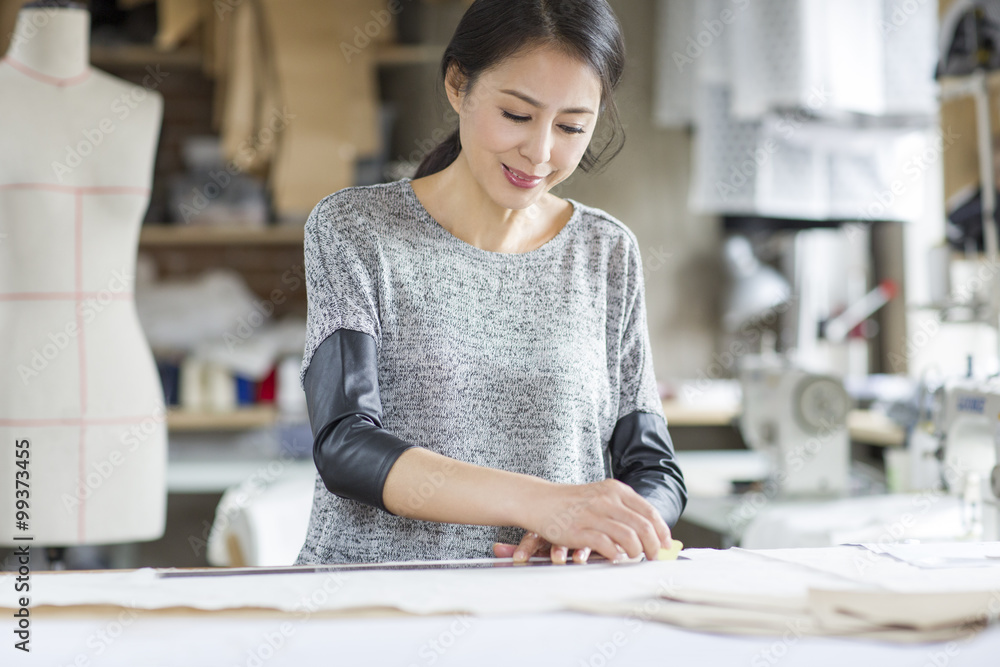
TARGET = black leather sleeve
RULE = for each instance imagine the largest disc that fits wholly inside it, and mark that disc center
(642, 456)
(352, 452)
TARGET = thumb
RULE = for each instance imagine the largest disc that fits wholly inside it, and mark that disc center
(503, 549)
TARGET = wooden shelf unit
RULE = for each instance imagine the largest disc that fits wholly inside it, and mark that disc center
(244, 418)
(142, 55)
(203, 235)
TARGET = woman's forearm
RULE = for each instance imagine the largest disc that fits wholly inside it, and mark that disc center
(426, 485)
(607, 516)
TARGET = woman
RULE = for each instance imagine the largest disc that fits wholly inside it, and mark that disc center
(477, 364)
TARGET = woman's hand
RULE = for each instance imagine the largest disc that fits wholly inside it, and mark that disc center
(532, 544)
(608, 517)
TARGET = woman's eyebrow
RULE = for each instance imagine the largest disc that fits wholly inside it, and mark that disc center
(535, 103)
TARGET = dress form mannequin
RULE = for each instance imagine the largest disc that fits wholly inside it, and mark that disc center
(77, 378)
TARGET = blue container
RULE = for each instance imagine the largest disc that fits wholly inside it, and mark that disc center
(245, 390)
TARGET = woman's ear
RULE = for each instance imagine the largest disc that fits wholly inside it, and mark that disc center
(453, 83)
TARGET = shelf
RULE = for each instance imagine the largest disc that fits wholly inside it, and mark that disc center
(217, 475)
(875, 428)
(141, 55)
(955, 87)
(866, 426)
(257, 416)
(409, 54)
(681, 414)
(201, 235)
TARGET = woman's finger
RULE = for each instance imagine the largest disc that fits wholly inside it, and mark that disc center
(558, 554)
(530, 543)
(606, 546)
(580, 555)
(647, 511)
(637, 526)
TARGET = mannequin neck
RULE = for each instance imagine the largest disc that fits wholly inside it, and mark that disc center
(52, 42)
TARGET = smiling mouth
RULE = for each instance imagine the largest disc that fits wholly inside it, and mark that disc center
(520, 178)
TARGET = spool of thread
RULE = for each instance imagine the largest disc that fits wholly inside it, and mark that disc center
(291, 399)
(192, 384)
(265, 388)
(220, 388)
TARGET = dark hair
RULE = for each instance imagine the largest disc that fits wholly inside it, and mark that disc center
(492, 30)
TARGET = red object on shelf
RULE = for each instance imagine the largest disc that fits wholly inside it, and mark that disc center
(265, 388)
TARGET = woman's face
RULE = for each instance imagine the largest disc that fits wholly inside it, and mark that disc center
(531, 117)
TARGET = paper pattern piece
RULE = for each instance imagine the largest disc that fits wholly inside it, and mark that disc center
(299, 93)
(944, 555)
(845, 591)
(178, 19)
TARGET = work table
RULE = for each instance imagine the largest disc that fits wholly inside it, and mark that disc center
(876, 605)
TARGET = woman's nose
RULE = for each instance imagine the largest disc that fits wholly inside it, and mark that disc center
(538, 145)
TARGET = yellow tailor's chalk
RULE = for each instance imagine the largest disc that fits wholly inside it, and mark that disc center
(671, 553)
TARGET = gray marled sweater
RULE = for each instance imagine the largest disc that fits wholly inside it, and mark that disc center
(517, 361)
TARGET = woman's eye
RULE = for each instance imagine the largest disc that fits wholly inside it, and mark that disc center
(516, 119)
(568, 129)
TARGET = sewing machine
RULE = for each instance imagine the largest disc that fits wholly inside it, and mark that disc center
(967, 424)
(799, 418)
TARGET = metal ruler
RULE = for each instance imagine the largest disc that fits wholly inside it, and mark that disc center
(469, 563)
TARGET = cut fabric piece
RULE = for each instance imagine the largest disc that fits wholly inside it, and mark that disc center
(951, 614)
(324, 60)
(790, 164)
(177, 20)
(784, 51)
(300, 94)
(803, 109)
(250, 94)
(674, 67)
(731, 592)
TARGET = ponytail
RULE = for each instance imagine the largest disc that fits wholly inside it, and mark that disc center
(443, 155)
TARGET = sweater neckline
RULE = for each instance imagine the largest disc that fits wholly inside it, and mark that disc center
(546, 248)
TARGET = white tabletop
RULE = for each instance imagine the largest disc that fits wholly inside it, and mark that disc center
(766, 608)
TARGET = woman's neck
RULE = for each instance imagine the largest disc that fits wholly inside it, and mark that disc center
(492, 228)
(52, 42)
